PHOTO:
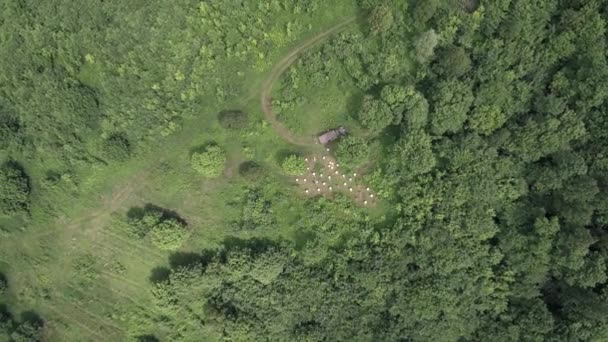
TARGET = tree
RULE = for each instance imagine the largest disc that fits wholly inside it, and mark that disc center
(453, 62)
(381, 19)
(352, 150)
(210, 162)
(14, 189)
(293, 165)
(233, 119)
(424, 10)
(406, 101)
(413, 154)
(117, 147)
(425, 45)
(452, 101)
(375, 114)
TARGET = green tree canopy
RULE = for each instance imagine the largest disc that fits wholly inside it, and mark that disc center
(453, 61)
(210, 162)
(425, 44)
(353, 151)
(381, 19)
(375, 114)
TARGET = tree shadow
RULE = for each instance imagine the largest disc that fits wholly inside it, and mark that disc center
(284, 153)
(188, 259)
(147, 338)
(159, 274)
(136, 213)
(32, 318)
(302, 237)
(179, 260)
(255, 245)
(202, 147)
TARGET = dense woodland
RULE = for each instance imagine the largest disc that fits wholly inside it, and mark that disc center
(482, 126)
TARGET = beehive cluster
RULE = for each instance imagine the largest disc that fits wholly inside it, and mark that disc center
(324, 177)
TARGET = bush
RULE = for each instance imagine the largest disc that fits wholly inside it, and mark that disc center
(117, 147)
(210, 162)
(294, 165)
(165, 231)
(352, 150)
(14, 189)
(233, 119)
(251, 171)
(169, 234)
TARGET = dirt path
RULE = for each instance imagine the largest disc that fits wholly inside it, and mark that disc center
(276, 72)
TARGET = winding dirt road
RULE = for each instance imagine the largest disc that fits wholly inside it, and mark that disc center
(276, 72)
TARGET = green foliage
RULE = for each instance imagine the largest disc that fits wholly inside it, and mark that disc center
(424, 10)
(491, 211)
(406, 101)
(414, 154)
(164, 230)
(453, 61)
(117, 147)
(210, 161)
(353, 151)
(451, 100)
(293, 165)
(168, 234)
(375, 114)
(257, 212)
(14, 189)
(425, 45)
(29, 329)
(233, 119)
(381, 19)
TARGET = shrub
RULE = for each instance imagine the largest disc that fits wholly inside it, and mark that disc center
(165, 231)
(209, 162)
(294, 165)
(257, 211)
(233, 119)
(251, 171)
(169, 234)
(353, 150)
(14, 189)
(117, 147)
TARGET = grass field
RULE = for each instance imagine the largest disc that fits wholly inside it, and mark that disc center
(86, 276)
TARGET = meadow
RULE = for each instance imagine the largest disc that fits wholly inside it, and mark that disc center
(161, 177)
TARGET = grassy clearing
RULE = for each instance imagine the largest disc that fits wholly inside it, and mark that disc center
(86, 276)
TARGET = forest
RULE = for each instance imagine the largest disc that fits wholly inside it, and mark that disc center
(163, 176)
